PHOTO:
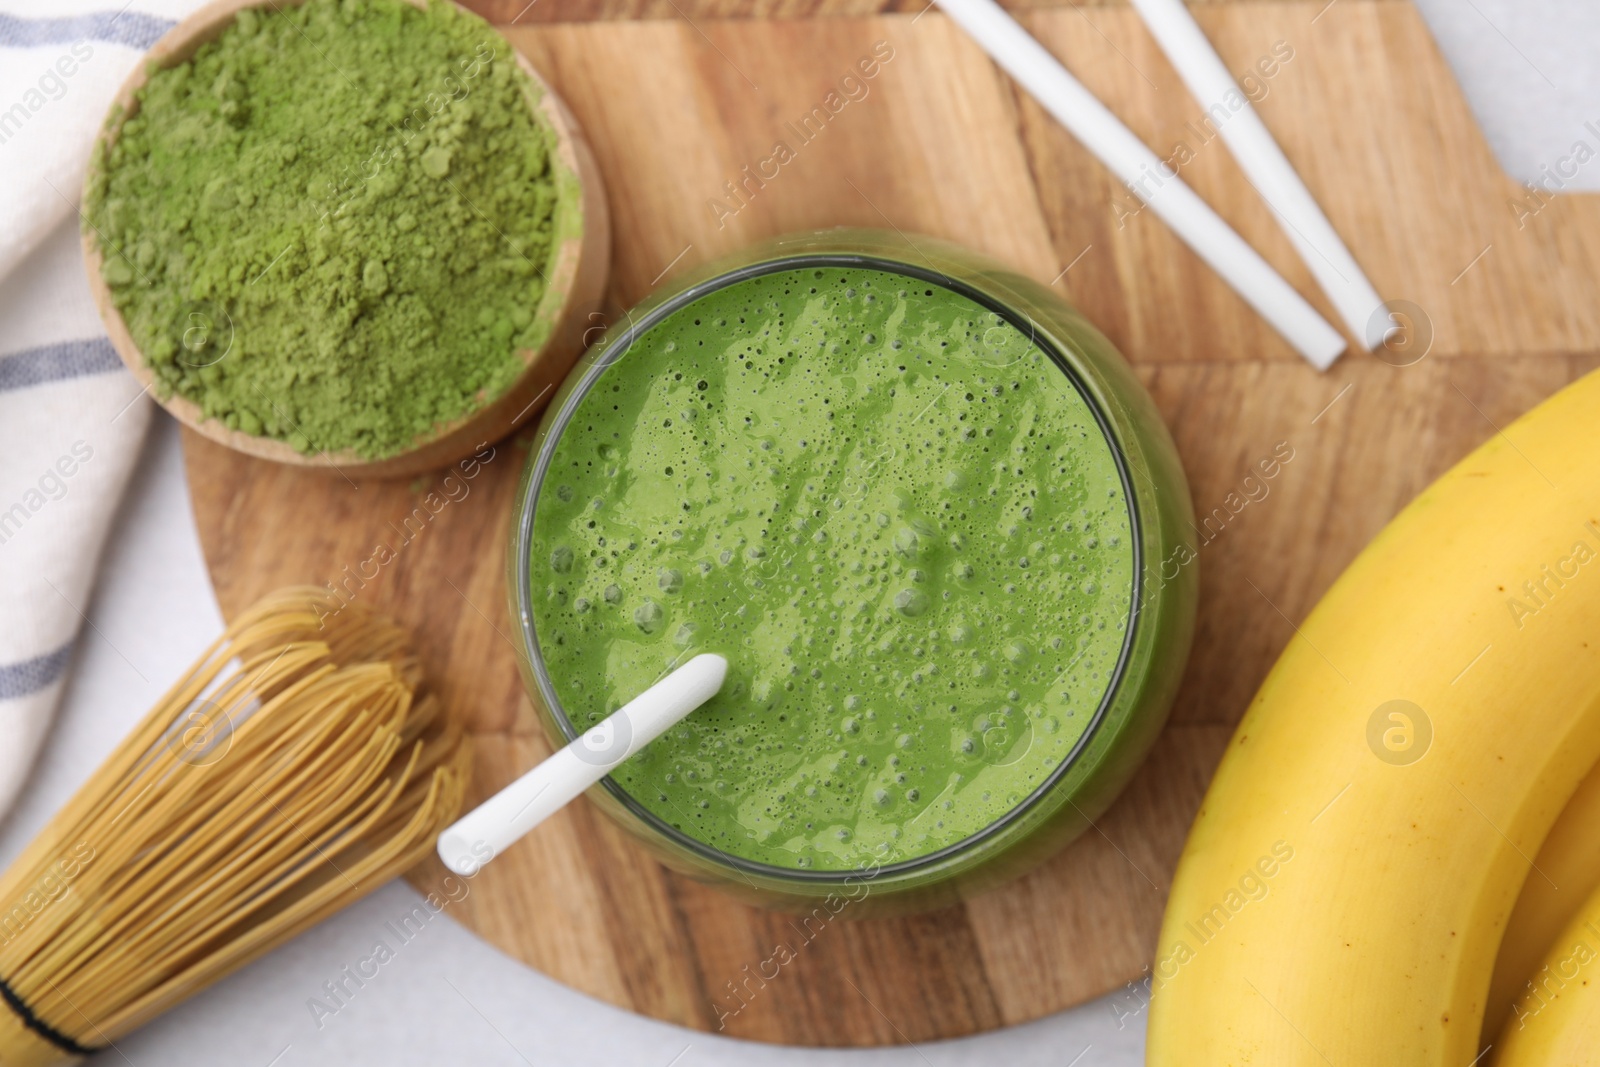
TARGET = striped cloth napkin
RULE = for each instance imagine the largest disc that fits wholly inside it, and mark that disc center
(72, 420)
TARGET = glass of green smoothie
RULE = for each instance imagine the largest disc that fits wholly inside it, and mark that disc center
(932, 520)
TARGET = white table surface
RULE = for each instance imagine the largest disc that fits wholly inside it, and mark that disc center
(1529, 69)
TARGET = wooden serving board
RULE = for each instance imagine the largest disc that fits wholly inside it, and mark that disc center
(677, 98)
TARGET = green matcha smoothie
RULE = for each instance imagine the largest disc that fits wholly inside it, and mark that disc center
(895, 515)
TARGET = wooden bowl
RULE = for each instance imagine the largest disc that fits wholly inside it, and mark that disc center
(575, 283)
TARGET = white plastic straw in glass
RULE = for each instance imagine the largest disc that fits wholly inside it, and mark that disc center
(1136, 166)
(487, 830)
(1268, 169)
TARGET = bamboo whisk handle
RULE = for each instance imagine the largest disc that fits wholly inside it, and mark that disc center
(23, 1046)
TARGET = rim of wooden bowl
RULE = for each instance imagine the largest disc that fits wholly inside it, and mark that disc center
(575, 280)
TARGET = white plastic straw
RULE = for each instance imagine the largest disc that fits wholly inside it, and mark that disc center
(487, 830)
(1268, 169)
(1202, 229)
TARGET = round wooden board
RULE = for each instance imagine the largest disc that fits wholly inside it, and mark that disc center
(675, 110)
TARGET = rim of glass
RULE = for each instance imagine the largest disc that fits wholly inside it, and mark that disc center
(613, 351)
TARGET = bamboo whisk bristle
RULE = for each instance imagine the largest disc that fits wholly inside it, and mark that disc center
(295, 768)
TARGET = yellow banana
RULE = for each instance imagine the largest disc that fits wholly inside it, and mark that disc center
(1556, 1021)
(1343, 889)
(1566, 871)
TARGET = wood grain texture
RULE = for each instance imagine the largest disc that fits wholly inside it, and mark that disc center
(942, 143)
(534, 12)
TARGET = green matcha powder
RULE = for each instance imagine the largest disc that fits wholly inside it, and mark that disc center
(332, 226)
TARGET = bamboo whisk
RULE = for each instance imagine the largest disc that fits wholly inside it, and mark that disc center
(295, 769)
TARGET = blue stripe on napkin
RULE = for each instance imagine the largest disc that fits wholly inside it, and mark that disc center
(56, 362)
(114, 27)
(32, 675)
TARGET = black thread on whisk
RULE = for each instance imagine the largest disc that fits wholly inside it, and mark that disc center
(38, 1025)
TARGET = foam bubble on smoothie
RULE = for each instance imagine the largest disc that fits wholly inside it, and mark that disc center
(896, 517)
